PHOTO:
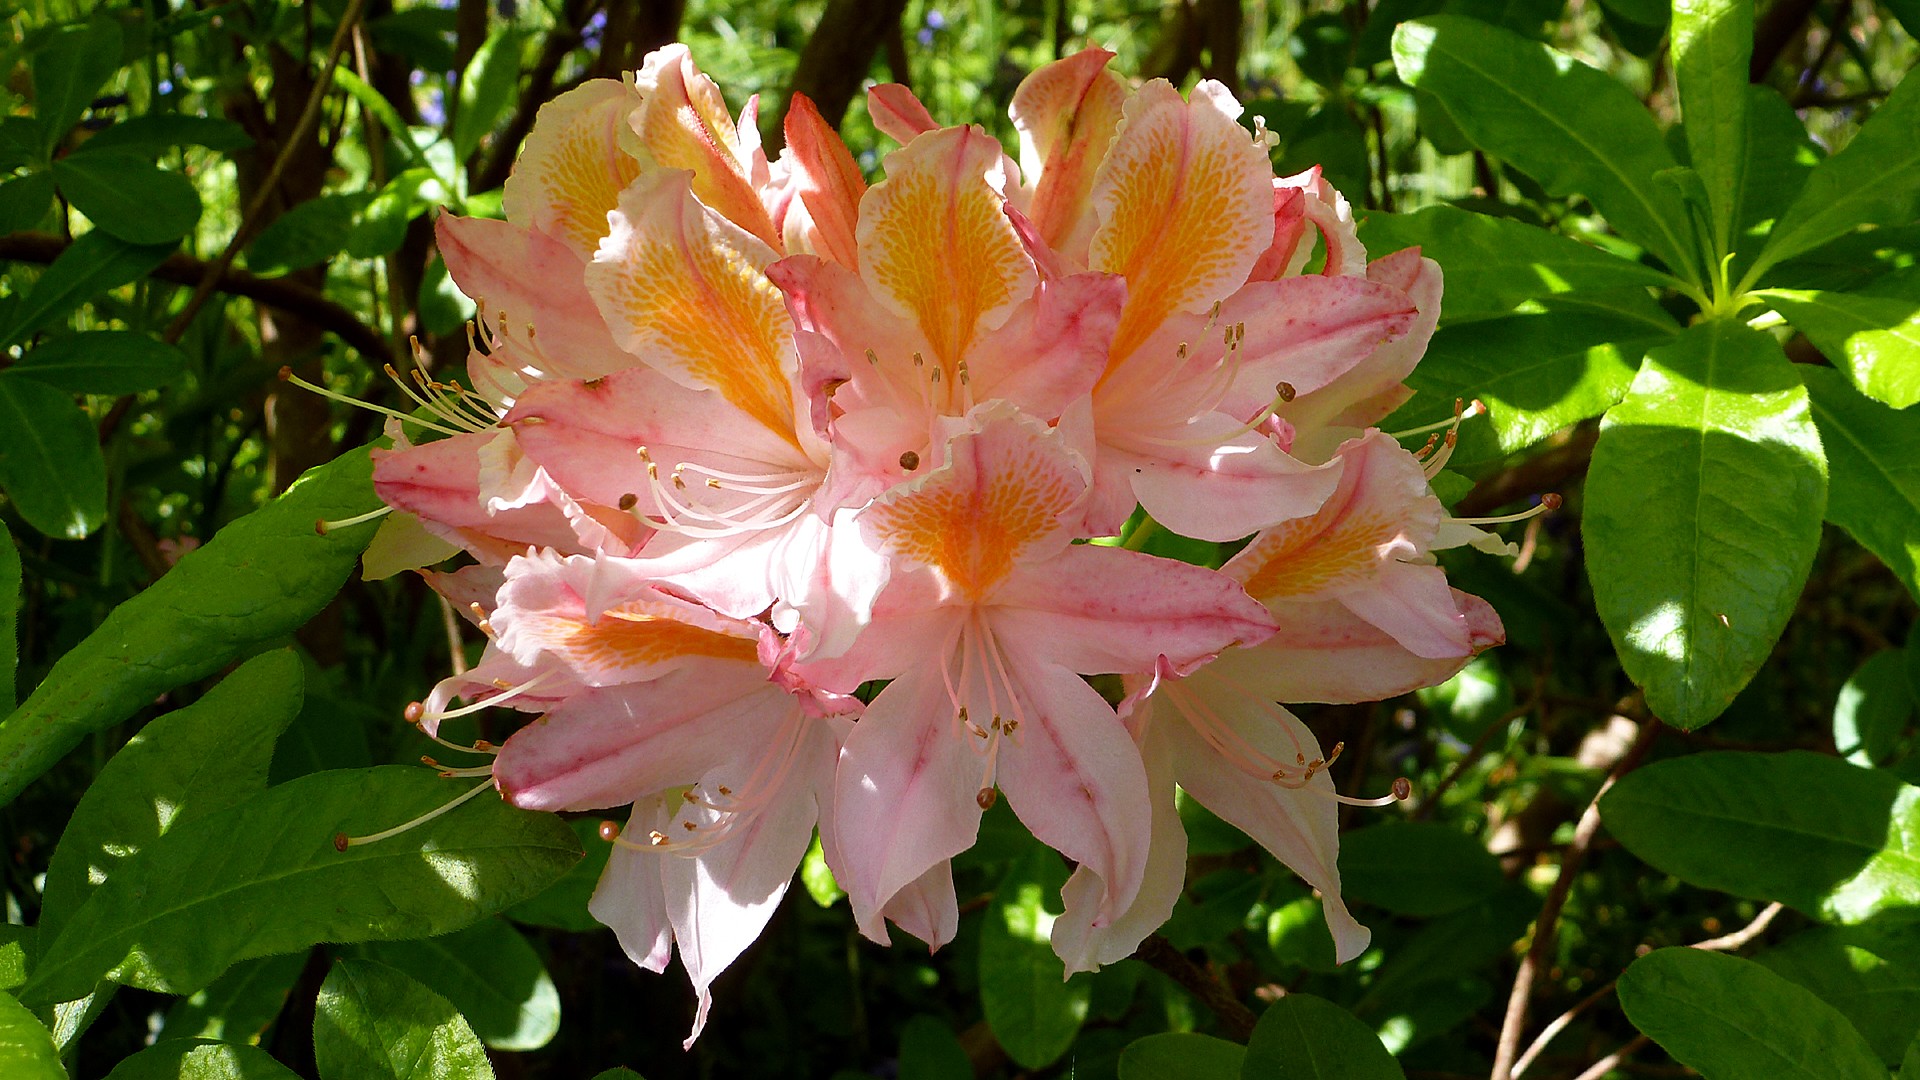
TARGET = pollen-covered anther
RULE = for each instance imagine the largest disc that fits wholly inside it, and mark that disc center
(909, 461)
(1285, 391)
(414, 712)
(986, 797)
(609, 831)
(629, 501)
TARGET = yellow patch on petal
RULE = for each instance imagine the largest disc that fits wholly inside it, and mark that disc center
(630, 642)
(573, 169)
(973, 519)
(1185, 199)
(687, 292)
(935, 245)
(685, 125)
(1310, 555)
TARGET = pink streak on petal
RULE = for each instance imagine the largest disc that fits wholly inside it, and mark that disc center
(1414, 604)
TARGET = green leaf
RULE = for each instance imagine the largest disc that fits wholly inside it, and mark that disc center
(1779, 150)
(1574, 129)
(563, 905)
(1874, 706)
(210, 756)
(50, 460)
(1873, 335)
(265, 877)
(1303, 1037)
(1419, 988)
(1875, 179)
(383, 224)
(256, 581)
(126, 194)
(1033, 1009)
(200, 1059)
(491, 974)
(1836, 841)
(90, 266)
(155, 132)
(621, 1073)
(1492, 264)
(237, 1006)
(1734, 1020)
(1910, 1064)
(376, 103)
(1712, 45)
(309, 234)
(929, 1051)
(68, 71)
(817, 877)
(1181, 1055)
(486, 89)
(1874, 455)
(375, 1023)
(103, 362)
(1695, 573)
(10, 600)
(25, 201)
(26, 1046)
(1537, 373)
(1417, 868)
(1871, 977)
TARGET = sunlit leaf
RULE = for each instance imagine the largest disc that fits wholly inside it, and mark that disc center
(201, 1059)
(1873, 453)
(1313, 1039)
(1417, 868)
(491, 974)
(26, 1047)
(374, 1023)
(102, 362)
(1033, 1009)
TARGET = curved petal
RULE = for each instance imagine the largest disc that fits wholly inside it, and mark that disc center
(1053, 349)
(1413, 603)
(683, 123)
(524, 277)
(1185, 203)
(1373, 388)
(1325, 653)
(1230, 489)
(927, 908)
(1066, 113)
(630, 898)
(828, 182)
(573, 167)
(897, 113)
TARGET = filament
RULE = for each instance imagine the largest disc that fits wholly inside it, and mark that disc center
(341, 841)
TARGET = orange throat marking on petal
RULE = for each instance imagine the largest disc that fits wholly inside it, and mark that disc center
(948, 259)
(582, 188)
(1303, 557)
(624, 640)
(974, 536)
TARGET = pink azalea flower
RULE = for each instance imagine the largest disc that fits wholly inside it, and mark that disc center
(985, 641)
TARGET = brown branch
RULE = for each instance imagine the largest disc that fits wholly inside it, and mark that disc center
(1612, 1061)
(1538, 953)
(309, 116)
(835, 60)
(1548, 470)
(1236, 1020)
(288, 296)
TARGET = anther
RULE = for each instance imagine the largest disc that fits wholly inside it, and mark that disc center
(609, 831)
(414, 712)
(1285, 391)
(909, 461)
(986, 797)
(629, 501)
(1402, 788)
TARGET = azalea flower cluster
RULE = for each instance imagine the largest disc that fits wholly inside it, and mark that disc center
(744, 436)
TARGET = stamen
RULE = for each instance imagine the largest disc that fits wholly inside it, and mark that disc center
(1472, 409)
(1547, 505)
(287, 375)
(909, 461)
(341, 841)
(416, 713)
(324, 527)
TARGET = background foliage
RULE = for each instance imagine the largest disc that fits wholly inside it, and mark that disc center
(1704, 335)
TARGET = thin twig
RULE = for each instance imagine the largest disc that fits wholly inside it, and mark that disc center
(1518, 1001)
(1730, 942)
(1607, 1064)
(1236, 1020)
(269, 184)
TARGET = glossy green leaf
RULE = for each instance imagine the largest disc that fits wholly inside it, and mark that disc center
(1712, 44)
(1874, 455)
(103, 362)
(265, 877)
(1303, 1037)
(237, 1006)
(1910, 1064)
(1574, 129)
(257, 580)
(1734, 1020)
(1873, 335)
(383, 223)
(1432, 980)
(1033, 1009)
(375, 1023)
(1417, 868)
(1695, 573)
(1181, 1055)
(929, 1050)
(156, 132)
(1875, 179)
(487, 87)
(26, 1046)
(124, 193)
(1536, 373)
(68, 71)
(25, 201)
(50, 460)
(1873, 709)
(491, 974)
(10, 601)
(88, 267)
(1871, 977)
(200, 1059)
(372, 100)
(1492, 264)
(1834, 840)
(817, 876)
(309, 234)
(210, 756)
(1777, 150)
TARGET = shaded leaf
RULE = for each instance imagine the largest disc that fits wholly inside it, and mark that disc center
(1873, 453)
(1733, 1019)
(374, 1023)
(155, 132)
(237, 1006)
(1695, 575)
(1874, 706)
(124, 193)
(1034, 1011)
(50, 460)
(257, 580)
(1870, 977)
(1417, 868)
(68, 71)
(103, 362)
(1836, 841)
(487, 87)
(10, 600)
(265, 877)
(25, 201)
(1181, 1055)
(929, 1051)
(491, 974)
(88, 267)
(310, 233)
(563, 905)
(1303, 1037)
